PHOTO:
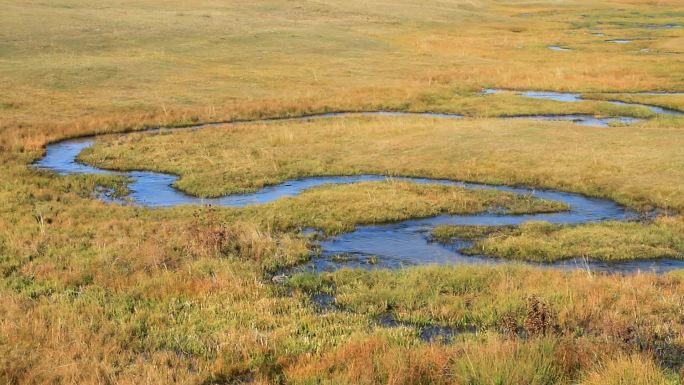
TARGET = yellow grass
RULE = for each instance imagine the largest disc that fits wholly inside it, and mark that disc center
(71, 67)
(92, 293)
(637, 166)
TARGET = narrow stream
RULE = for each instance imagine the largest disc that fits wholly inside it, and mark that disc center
(393, 245)
(569, 97)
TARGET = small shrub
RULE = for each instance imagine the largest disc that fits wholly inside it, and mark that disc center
(540, 319)
(209, 233)
(212, 236)
(508, 325)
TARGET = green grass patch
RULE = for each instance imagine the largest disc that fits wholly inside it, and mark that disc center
(544, 242)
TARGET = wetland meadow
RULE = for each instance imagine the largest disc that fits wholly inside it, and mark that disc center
(450, 192)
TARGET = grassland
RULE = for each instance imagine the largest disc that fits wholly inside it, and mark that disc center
(675, 102)
(641, 167)
(638, 166)
(71, 67)
(96, 293)
(521, 339)
(336, 209)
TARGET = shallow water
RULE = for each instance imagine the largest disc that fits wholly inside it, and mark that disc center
(619, 41)
(404, 245)
(558, 48)
(325, 303)
(582, 119)
(585, 120)
(662, 26)
(427, 333)
(393, 245)
(570, 97)
(655, 109)
(408, 243)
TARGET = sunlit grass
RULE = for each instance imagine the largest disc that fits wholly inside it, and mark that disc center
(117, 65)
(636, 166)
(97, 293)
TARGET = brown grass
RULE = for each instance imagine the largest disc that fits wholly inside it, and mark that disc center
(94, 293)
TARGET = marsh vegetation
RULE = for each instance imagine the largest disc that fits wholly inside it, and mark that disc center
(96, 292)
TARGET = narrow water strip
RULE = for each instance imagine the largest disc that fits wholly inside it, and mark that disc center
(570, 97)
(394, 245)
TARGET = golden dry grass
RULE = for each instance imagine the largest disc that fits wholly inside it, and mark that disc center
(93, 293)
(71, 67)
(638, 166)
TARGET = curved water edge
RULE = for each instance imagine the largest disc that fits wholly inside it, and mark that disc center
(393, 245)
(571, 97)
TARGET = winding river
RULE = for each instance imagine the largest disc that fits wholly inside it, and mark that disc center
(392, 245)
